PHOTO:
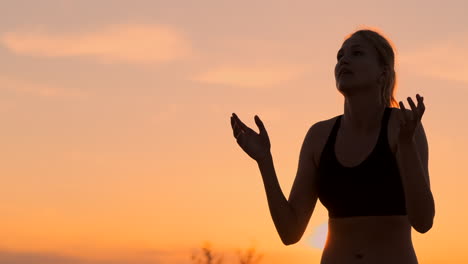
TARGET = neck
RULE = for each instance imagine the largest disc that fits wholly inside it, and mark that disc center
(362, 114)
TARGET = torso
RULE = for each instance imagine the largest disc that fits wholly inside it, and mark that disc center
(364, 239)
(370, 240)
(366, 143)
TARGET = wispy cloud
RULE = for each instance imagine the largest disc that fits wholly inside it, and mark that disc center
(153, 256)
(127, 43)
(31, 88)
(250, 76)
(446, 59)
(50, 258)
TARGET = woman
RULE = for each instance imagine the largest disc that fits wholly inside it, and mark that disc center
(368, 166)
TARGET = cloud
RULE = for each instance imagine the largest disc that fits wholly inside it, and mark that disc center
(50, 258)
(32, 258)
(127, 43)
(25, 87)
(446, 60)
(250, 76)
(153, 256)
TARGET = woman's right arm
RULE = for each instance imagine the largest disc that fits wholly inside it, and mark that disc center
(292, 217)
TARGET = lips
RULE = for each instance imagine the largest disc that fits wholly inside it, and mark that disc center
(344, 70)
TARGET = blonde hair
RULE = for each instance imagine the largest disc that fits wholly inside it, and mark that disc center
(386, 59)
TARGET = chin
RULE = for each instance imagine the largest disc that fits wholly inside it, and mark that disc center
(345, 88)
(347, 91)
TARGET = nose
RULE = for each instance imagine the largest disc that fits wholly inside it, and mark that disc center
(344, 60)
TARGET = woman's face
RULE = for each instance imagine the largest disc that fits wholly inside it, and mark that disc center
(357, 66)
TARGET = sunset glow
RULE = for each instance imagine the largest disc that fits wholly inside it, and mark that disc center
(116, 139)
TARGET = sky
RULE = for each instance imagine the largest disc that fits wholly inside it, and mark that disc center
(116, 143)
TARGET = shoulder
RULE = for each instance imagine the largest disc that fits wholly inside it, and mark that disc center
(322, 128)
(397, 111)
(317, 136)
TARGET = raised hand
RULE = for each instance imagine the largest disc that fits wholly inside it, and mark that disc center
(409, 121)
(256, 145)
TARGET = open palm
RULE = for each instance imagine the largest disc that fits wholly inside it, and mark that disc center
(256, 145)
(409, 121)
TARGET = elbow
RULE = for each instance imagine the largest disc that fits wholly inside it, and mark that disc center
(423, 226)
(423, 223)
(291, 234)
(289, 240)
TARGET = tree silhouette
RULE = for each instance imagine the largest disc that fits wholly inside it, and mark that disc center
(207, 256)
(249, 257)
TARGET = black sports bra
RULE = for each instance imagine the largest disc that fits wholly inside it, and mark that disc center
(373, 187)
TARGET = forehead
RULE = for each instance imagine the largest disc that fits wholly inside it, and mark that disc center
(356, 41)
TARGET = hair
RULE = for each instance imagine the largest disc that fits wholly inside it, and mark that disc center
(386, 58)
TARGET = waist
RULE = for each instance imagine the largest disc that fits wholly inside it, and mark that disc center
(374, 238)
(364, 230)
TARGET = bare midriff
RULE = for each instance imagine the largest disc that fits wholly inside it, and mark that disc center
(369, 239)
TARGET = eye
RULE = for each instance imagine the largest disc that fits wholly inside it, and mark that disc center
(338, 57)
(357, 52)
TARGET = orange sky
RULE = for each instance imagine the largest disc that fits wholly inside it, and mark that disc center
(116, 138)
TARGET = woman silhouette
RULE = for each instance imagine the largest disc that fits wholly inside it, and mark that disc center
(368, 166)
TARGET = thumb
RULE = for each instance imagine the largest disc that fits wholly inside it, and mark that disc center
(260, 125)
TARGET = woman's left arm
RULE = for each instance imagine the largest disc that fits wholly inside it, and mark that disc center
(412, 158)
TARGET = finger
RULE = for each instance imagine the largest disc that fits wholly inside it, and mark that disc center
(421, 105)
(415, 113)
(402, 113)
(237, 130)
(260, 125)
(402, 106)
(235, 127)
(237, 124)
(238, 134)
(232, 123)
(240, 138)
(240, 123)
